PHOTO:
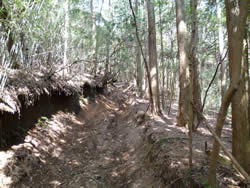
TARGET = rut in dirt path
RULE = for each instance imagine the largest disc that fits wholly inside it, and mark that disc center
(96, 148)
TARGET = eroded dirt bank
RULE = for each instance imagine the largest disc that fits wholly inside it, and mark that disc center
(104, 146)
(15, 126)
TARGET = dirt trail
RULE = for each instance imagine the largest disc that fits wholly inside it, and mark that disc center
(96, 148)
(104, 147)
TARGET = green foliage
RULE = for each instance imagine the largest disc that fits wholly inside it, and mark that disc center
(42, 122)
(41, 23)
(205, 184)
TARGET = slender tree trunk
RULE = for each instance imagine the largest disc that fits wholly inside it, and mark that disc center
(108, 41)
(162, 62)
(145, 17)
(139, 77)
(236, 11)
(163, 87)
(66, 38)
(144, 58)
(95, 44)
(184, 98)
(155, 108)
(24, 48)
(171, 73)
(221, 49)
(94, 34)
(194, 61)
(139, 73)
(107, 53)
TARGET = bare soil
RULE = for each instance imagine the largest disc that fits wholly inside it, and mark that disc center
(105, 146)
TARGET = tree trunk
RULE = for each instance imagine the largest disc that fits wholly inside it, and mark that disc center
(66, 38)
(240, 102)
(155, 108)
(171, 73)
(107, 53)
(184, 98)
(197, 106)
(236, 11)
(219, 125)
(139, 73)
(145, 18)
(221, 49)
(108, 40)
(162, 62)
(24, 48)
(94, 35)
(185, 110)
(144, 57)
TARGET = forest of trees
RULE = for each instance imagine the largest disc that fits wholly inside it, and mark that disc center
(194, 52)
